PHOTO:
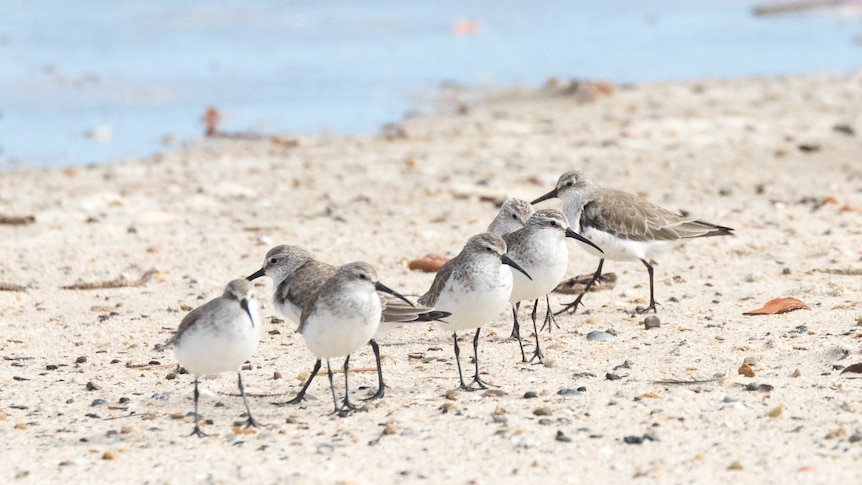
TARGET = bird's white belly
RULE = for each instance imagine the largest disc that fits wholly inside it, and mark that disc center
(210, 350)
(549, 267)
(327, 335)
(474, 307)
(617, 249)
(288, 309)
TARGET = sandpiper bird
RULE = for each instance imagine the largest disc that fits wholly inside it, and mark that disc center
(512, 216)
(297, 276)
(474, 287)
(342, 317)
(625, 226)
(219, 336)
(539, 248)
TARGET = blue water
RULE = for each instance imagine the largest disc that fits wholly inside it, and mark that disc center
(149, 69)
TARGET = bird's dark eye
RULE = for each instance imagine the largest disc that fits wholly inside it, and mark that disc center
(554, 223)
(362, 276)
(488, 248)
(569, 183)
(514, 216)
(273, 260)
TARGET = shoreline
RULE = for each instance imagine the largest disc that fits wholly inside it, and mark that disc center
(765, 156)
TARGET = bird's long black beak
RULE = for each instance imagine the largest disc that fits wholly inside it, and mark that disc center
(244, 304)
(549, 195)
(385, 289)
(507, 260)
(257, 274)
(572, 234)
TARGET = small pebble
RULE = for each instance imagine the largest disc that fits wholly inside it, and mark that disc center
(494, 393)
(736, 465)
(108, 455)
(92, 386)
(499, 418)
(627, 364)
(633, 440)
(612, 377)
(777, 411)
(598, 335)
(99, 402)
(530, 395)
(857, 436)
(124, 400)
(746, 370)
(82, 359)
(162, 396)
(545, 422)
(652, 321)
(276, 375)
(542, 411)
(753, 386)
(568, 392)
(582, 389)
(563, 437)
(51, 367)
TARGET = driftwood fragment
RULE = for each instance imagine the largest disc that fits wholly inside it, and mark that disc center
(12, 287)
(16, 220)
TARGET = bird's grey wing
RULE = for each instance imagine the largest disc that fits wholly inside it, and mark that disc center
(305, 282)
(429, 299)
(191, 319)
(630, 217)
(698, 228)
(395, 310)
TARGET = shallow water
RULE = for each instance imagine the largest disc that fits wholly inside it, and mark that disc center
(137, 71)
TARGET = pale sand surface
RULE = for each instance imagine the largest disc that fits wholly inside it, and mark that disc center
(206, 215)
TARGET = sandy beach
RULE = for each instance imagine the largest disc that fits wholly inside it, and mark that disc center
(86, 396)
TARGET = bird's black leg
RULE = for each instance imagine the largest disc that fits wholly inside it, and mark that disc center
(300, 396)
(516, 330)
(380, 385)
(347, 405)
(250, 421)
(476, 379)
(651, 288)
(573, 306)
(458, 361)
(331, 386)
(549, 316)
(538, 353)
(197, 431)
